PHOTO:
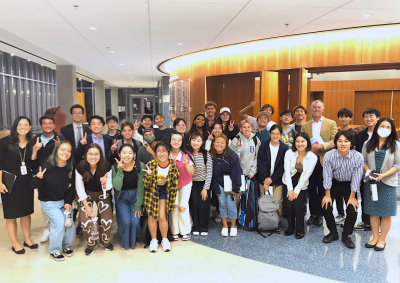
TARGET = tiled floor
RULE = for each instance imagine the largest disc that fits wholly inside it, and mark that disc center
(187, 262)
(202, 260)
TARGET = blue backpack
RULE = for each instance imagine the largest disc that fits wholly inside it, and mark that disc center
(248, 206)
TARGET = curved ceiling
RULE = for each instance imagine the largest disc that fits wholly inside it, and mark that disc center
(143, 33)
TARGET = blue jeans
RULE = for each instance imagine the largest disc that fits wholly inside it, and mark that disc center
(60, 236)
(128, 224)
(227, 206)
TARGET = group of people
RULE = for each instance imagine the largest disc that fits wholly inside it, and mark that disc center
(173, 175)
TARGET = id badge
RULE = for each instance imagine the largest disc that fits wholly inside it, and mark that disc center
(23, 170)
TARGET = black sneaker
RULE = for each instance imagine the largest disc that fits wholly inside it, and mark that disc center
(348, 242)
(89, 251)
(311, 220)
(330, 238)
(57, 257)
(68, 251)
(109, 248)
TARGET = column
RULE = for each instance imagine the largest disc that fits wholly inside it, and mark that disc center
(66, 85)
(100, 98)
(114, 101)
(274, 90)
(299, 88)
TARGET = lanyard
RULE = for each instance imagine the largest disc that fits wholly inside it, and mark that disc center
(23, 160)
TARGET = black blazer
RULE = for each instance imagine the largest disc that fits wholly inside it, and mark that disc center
(361, 138)
(80, 151)
(264, 163)
(68, 132)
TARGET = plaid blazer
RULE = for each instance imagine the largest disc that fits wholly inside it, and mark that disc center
(151, 199)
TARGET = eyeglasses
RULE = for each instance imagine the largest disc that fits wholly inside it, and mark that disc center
(162, 152)
(275, 134)
(181, 125)
(94, 154)
(77, 113)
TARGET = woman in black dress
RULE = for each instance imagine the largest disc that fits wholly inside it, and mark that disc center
(16, 158)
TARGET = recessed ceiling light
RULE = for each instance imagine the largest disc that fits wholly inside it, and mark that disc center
(366, 15)
(122, 64)
(131, 77)
(29, 60)
(93, 28)
(12, 54)
(179, 43)
(41, 65)
(111, 51)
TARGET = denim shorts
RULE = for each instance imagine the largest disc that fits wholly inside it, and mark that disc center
(162, 192)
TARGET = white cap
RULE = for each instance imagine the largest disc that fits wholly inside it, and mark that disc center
(223, 109)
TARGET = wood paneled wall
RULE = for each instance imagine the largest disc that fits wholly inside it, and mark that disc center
(233, 91)
(357, 46)
(357, 95)
(197, 97)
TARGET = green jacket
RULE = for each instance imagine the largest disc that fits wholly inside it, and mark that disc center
(118, 181)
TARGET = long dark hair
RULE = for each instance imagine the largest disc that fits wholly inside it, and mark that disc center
(225, 125)
(177, 120)
(193, 136)
(14, 136)
(101, 168)
(183, 146)
(204, 129)
(53, 158)
(225, 153)
(390, 142)
(136, 161)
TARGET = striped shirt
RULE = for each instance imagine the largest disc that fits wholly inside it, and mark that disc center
(343, 169)
(201, 172)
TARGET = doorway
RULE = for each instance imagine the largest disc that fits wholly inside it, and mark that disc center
(142, 105)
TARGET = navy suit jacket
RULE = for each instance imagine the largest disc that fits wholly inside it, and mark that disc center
(80, 151)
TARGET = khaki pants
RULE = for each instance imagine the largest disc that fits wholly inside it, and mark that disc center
(277, 194)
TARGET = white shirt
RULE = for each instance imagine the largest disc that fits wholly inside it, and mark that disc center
(270, 124)
(316, 127)
(80, 185)
(255, 125)
(274, 154)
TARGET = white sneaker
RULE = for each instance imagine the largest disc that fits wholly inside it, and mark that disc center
(204, 233)
(166, 245)
(233, 232)
(224, 232)
(153, 245)
(195, 233)
(46, 236)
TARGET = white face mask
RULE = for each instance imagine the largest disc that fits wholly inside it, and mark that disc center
(384, 133)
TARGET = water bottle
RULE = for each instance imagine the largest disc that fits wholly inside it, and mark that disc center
(94, 229)
(67, 219)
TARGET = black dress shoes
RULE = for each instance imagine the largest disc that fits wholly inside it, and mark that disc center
(369, 246)
(311, 220)
(299, 236)
(348, 242)
(318, 221)
(32, 247)
(288, 233)
(330, 238)
(20, 252)
(379, 249)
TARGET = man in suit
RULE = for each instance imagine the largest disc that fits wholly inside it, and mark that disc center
(76, 129)
(108, 147)
(324, 130)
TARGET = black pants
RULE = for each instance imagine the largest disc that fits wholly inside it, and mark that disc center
(339, 205)
(364, 216)
(294, 209)
(199, 209)
(341, 189)
(316, 190)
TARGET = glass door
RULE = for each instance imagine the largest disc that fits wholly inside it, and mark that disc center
(142, 105)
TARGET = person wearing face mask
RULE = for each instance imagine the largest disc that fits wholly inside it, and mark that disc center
(162, 132)
(146, 152)
(343, 170)
(128, 185)
(146, 122)
(371, 117)
(382, 155)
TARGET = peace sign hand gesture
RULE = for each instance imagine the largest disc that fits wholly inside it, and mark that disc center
(211, 136)
(83, 140)
(114, 147)
(171, 117)
(148, 171)
(120, 165)
(56, 141)
(136, 126)
(185, 160)
(41, 173)
(239, 143)
(38, 145)
(103, 180)
(231, 125)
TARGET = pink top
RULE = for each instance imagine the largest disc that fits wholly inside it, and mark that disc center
(184, 177)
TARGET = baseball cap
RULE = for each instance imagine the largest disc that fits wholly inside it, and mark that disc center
(223, 109)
